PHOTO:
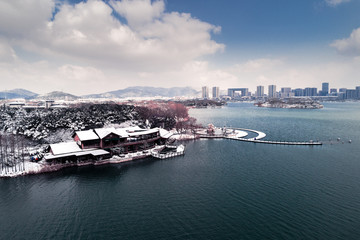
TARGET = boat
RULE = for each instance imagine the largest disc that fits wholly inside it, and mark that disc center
(168, 151)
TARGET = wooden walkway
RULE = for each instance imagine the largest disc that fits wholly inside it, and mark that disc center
(274, 142)
(257, 139)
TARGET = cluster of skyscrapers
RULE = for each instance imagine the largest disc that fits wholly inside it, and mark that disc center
(285, 92)
(215, 93)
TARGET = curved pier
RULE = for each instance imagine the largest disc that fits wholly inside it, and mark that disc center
(261, 135)
(239, 134)
(274, 142)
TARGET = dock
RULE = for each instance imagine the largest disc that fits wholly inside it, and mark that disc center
(178, 151)
(274, 142)
(239, 134)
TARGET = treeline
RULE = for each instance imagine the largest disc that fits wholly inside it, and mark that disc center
(40, 125)
(202, 103)
(37, 124)
(12, 153)
(168, 115)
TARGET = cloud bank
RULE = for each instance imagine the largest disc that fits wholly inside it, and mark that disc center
(350, 45)
(97, 46)
(88, 31)
(334, 3)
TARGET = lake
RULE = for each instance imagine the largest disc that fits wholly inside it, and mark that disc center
(220, 189)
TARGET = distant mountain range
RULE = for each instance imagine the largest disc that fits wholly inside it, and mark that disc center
(17, 93)
(57, 95)
(122, 93)
(146, 92)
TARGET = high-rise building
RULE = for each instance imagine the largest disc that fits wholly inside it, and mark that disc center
(333, 90)
(358, 92)
(205, 92)
(310, 92)
(342, 90)
(299, 92)
(232, 92)
(325, 89)
(272, 91)
(285, 92)
(216, 92)
(350, 94)
(260, 91)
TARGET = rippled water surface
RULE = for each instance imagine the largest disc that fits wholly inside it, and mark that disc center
(221, 189)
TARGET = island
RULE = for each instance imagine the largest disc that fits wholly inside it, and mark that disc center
(298, 103)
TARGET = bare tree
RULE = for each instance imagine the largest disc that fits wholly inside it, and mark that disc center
(12, 151)
(1, 152)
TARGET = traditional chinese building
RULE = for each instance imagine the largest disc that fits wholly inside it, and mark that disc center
(100, 143)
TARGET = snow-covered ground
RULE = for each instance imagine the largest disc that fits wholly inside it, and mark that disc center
(27, 168)
(42, 167)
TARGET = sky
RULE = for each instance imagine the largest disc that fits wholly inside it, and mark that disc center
(94, 46)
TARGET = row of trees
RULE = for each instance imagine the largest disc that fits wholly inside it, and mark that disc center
(168, 115)
(12, 153)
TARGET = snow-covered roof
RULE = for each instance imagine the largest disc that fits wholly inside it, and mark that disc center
(64, 147)
(132, 129)
(122, 132)
(144, 132)
(94, 152)
(165, 133)
(86, 135)
(103, 132)
(98, 152)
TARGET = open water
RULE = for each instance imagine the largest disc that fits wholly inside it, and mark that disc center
(220, 189)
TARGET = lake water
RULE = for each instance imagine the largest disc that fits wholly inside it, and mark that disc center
(220, 189)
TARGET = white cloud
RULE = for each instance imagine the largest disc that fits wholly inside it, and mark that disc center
(7, 53)
(139, 12)
(84, 48)
(20, 18)
(89, 33)
(350, 45)
(334, 3)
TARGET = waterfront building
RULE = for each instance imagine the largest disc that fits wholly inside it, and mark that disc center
(216, 93)
(285, 92)
(325, 89)
(343, 90)
(70, 152)
(272, 91)
(299, 92)
(260, 91)
(244, 92)
(87, 139)
(310, 92)
(205, 92)
(357, 92)
(350, 94)
(101, 143)
(333, 90)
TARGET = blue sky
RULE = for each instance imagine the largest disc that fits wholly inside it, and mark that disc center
(94, 46)
(274, 27)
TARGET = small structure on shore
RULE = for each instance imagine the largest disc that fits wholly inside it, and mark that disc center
(103, 143)
(168, 151)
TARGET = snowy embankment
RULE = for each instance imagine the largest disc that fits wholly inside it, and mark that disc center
(41, 167)
(22, 169)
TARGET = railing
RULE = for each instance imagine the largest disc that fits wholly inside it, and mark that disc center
(167, 155)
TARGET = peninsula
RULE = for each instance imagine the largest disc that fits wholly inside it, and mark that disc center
(298, 103)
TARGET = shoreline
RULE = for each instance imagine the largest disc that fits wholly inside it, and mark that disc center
(32, 168)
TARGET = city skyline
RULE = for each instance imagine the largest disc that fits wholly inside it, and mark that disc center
(284, 92)
(82, 47)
